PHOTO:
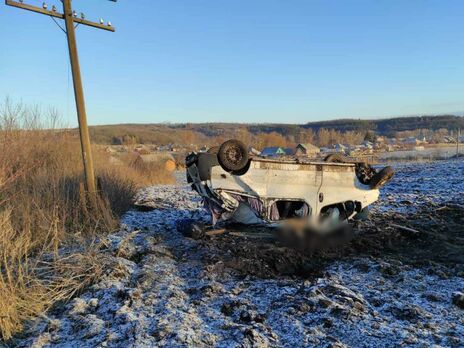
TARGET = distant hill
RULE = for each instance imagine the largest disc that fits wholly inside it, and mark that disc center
(201, 132)
(389, 126)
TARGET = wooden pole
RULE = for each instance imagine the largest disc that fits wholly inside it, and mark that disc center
(457, 142)
(79, 96)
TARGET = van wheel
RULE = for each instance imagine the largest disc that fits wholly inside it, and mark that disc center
(381, 178)
(335, 158)
(233, 156)
(364, 172)
(242, 171)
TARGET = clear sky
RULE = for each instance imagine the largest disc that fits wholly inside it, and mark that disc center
(242, 60)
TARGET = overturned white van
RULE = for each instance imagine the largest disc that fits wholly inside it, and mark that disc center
(248, 189)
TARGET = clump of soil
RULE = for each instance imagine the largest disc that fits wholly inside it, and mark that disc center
(265, 258)
(429, 237)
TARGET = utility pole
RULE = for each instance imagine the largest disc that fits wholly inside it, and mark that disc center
(70, 18)
(79, 96)
(457, 142)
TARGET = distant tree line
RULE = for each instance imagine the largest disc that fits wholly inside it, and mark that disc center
(390, 126)
(262, 135)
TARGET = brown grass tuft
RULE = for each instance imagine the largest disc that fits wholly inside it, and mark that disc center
(31, 285)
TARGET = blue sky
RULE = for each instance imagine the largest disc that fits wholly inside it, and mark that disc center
(242, 60)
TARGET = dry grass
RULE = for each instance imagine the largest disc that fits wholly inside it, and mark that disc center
(149, 174)
(31, 285)
(43, 208)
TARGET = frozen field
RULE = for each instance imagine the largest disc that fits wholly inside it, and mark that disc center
(434, 183)
(167, 290)
(440, 152)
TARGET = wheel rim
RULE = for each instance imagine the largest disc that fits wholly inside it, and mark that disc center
(233, 155)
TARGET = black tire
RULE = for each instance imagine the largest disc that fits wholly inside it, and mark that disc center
(233, 156)
(335, 158)
(242, 171)
(364, 172)
(381, 178)
(190, 228)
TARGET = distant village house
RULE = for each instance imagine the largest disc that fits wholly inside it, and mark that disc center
(307, 150)
(273, 151)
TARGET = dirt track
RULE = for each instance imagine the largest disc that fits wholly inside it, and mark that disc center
(388, 286)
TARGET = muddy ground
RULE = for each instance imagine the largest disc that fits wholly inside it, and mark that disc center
(397, 282)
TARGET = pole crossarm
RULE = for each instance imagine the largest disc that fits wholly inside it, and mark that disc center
(59, 15)
(94, 24)
(34, 9)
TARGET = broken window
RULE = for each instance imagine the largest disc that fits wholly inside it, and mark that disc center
(286, 209)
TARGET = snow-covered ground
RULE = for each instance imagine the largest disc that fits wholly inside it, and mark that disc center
(168, 290)
(431, 183)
